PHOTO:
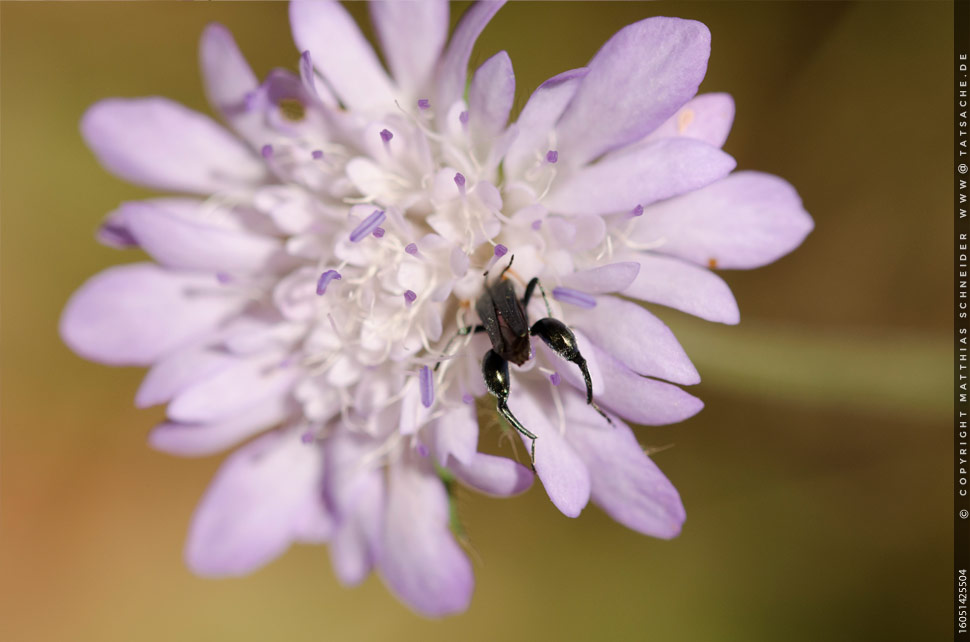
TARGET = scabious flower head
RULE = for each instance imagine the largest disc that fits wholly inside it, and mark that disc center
(311, 277)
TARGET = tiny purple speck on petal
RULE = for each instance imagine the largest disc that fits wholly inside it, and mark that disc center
(424, 103)
(379, 232)
(410, 297)
(552, 156)
(574, 297)
(307, 437)
(637, 211)
(411, 249)
(367, 226)
(325, 279)
(267, 151)
(386, 135)
(317, 154)
(501, 250)
(463, 117)
(422, 449)
(468, 399)
(536, 224)
(426, 382)
(555, 378)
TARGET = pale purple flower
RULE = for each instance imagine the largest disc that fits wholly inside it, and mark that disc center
(319, 259)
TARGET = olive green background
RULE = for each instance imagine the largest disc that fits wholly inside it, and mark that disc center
(816, 479)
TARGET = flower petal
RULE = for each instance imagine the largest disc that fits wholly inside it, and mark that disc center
(563, 474)
(255, 506)
(341, 53)
(412, 35)
(158, 143)
(200, 440)
(616, 183)
(355, 546)
(626, 483)
(421, 562)
(641, 400)
(453, 66)
(228, 80)
(456, 434)
(537, 119)
(179, 370)
(496, 476)
(641, 76)
(707, 118)
(685, 287)
(747, 220)
(490, 96)
(605, 278)
(176, 242)
(251, 381)
(130, 315)
(636, 338)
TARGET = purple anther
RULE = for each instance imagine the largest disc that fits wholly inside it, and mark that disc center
(574, 297)
(386, 136)
(424, 103)
(367, 227)
(555, 378)
(460, 182)
(267, 151)
(411, 249)
(422, 449)
(410, 297)
(537, 224)
(500, 251)
(378, 232)
(552, 156)
(467, 399)
(463, 117)
(223, 278)
(307, 437)
(426, 381)
(637, 211)
(325, 280)
(317, 154)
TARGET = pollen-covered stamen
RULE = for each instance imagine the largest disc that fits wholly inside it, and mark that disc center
(368, 226)
(426, 382)
(410, 297)
(552, 156)
(573, 297)
(325, 279)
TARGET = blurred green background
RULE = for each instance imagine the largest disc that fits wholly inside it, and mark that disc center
(816, 480)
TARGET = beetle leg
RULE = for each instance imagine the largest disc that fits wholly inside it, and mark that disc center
(495, 370)
(529, 289)
(462, 332)
(561, 339)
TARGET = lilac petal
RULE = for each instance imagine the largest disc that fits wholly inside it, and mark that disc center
(747, 220)
(640, 77)
(707, 118)
(640, 400)
(114, 231)
(537, 119)
(490, 96)
(495, 476)
(605, 278)
(456, 434)
(158, 143)
(355, 545)
(256, 506)
(341, 54)
(573, 297)
(453, 66)
(200, 440)
(179, 370)
(251, 381)
(315, 89)
(616, 183)
(636, 338)
(626, 483)
(412, 35)
(228, 80)
(176, 242)
(420, 561)
(563, 474)
(685, 287)
(130, 315)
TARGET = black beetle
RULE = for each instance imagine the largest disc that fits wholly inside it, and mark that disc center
(506, 321)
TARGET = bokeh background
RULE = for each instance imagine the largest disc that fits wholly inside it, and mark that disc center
(816, 480)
